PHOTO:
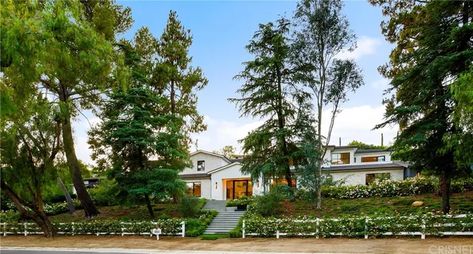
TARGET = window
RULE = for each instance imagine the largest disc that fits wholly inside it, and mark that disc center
(370, 178)
(194, 189)
(373, 158)
(340, 158)
(200, 165)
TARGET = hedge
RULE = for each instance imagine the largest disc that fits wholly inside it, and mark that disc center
(358, 226)
(168, 227)
(389, 188)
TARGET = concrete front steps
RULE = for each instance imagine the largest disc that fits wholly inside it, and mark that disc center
(225, 221)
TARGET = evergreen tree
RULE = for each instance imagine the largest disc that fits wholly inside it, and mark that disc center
(268, 93)
(137, 126)
(176, 78)
(433, 57)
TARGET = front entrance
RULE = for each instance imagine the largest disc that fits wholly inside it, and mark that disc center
(238, 188)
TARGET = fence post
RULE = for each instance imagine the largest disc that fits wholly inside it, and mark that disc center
(317, 225)
(366, 227)
(422, 236)
(123, 229)
(277, 234)
(5, 229)
(73, 229)
(26, 228)
(183, 228)
(243, 230)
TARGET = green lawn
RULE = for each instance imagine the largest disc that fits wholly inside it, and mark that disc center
(460, 203)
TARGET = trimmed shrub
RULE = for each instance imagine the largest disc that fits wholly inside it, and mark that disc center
(189, 207)
(268, 205)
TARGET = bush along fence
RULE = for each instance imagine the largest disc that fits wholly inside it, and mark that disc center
(390, 188)
(167, 226)
(420, 225)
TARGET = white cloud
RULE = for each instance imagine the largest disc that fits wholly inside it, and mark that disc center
(365, 46)
(221, 133)
(357, 123)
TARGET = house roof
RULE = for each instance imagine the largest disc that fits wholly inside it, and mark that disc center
(372, 150)
(223, 167)
(366, 166)
(212, 154)
(195, 176)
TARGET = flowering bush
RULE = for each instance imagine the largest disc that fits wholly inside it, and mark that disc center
(57, 208)
(358, 226)
(389, 188)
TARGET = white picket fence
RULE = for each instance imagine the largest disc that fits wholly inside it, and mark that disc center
(317, 222)
(27, 226)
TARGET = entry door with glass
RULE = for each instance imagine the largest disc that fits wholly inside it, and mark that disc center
(238, 188)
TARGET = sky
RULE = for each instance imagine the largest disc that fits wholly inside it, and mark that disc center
(221, 29)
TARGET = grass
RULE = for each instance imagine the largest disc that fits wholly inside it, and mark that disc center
(459, 202)
(213, 237)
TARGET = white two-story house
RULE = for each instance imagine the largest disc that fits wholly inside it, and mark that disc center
(354, 166)
(214, 176)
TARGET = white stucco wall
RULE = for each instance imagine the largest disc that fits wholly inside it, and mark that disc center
(231, 172)
(359, 177)
(204, 187)
(211, 162)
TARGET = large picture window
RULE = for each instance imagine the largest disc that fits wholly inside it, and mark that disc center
(194, 189)
(373, 158)
(340, 158)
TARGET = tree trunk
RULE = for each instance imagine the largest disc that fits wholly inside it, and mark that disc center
(445, 191)
(173, 99)
(44, 223)
(37, 214)
(70, 205)
(318, 173)
(74, 167)
(149, 206)
(281, 126)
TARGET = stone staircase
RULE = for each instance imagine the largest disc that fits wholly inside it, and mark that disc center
(226, 220)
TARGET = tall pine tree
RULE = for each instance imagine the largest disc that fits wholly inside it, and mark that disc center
(433, 55)
(268, 93)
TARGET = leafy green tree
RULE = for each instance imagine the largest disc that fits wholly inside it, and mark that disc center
(268, 93)
(229, 151)
(361, 145)
(322, 34)
(30, 135)
(433, 57)
(64, 48)
(176, 78)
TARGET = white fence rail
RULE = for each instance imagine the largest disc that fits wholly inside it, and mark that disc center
(29, 228)
(316, 230)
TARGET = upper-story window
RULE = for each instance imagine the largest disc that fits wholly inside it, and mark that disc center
(200, 165)
(340, 158)
(373, 158)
